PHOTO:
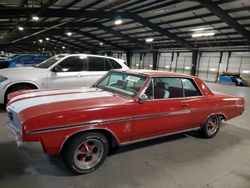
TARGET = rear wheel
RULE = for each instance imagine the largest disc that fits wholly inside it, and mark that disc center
(86, 152)
(211, 127)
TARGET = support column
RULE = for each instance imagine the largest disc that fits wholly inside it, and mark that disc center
(128, 57)
(228, 57)
(155, 59)
(218, 71)
(194, 62)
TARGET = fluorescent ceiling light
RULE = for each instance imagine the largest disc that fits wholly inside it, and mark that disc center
(208, 34)
(246, 71)
(20, 28)
(187, 68)
(40, 40)
(200, 29)
(196, 35)
(149, 40)
(63, 47)
(35, 18)
(212, 69)
(47, 38)
(118, 22)
(159, 11)
(69, 34)
(166, 66)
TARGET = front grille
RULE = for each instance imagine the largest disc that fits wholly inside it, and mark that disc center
(14, 119)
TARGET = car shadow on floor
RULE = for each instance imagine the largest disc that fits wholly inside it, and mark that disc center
(16, 162)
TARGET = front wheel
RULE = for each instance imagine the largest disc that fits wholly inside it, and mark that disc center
(86, 152)
(211, 127)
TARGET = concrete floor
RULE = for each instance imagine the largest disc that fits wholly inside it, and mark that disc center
(182, 161)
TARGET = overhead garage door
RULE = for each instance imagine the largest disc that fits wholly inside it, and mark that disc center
(136, 61)
(165, 61)
(208, 66)
(184, 63)
(239, 62)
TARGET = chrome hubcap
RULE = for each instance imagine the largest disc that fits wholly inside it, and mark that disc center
(213, 124)
(88, 154)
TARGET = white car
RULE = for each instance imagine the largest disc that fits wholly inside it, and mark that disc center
(60, 71)
(3, 57)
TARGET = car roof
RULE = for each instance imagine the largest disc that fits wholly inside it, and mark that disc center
(93, 55)
(156, 73)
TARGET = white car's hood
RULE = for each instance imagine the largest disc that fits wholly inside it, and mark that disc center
(22, 72)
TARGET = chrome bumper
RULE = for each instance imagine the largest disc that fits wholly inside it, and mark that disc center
(16, 132)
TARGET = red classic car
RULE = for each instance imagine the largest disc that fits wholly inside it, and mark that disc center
(123, 107)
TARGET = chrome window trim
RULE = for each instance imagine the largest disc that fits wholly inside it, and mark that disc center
(144, 90)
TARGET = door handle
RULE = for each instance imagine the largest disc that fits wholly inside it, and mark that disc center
(185, 105)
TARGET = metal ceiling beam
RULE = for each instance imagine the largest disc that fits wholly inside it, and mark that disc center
(53, 12)
(121, 35)
(108, 6)
(158, 29)
(70, 44)
(101, 40)
(219, 12)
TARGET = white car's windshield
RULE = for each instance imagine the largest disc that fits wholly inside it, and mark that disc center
(47, 63)
(122, 83)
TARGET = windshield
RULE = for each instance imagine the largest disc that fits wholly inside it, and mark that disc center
(47, 63)
(122, 83)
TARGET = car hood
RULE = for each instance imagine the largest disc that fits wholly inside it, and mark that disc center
(41, 102)
(21, 72)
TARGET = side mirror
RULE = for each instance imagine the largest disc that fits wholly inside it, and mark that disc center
(143, 98)
(57, 68)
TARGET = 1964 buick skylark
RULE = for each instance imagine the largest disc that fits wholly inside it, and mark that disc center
(123, 107)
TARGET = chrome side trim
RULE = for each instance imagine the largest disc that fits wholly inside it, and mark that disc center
(159, 136)
(97, 122)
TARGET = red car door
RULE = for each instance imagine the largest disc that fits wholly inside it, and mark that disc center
(164, 112)
(199, 105)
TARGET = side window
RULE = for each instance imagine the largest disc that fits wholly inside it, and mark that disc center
(164, 88)
(73, 64)
(107, 65)
(167, 88)
(190, 89)
(114, 64)
(95, 63)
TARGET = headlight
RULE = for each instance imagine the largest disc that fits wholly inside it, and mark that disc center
(2, 78)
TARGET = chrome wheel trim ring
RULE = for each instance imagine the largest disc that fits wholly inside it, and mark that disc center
(213, 125)
(88, 154)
